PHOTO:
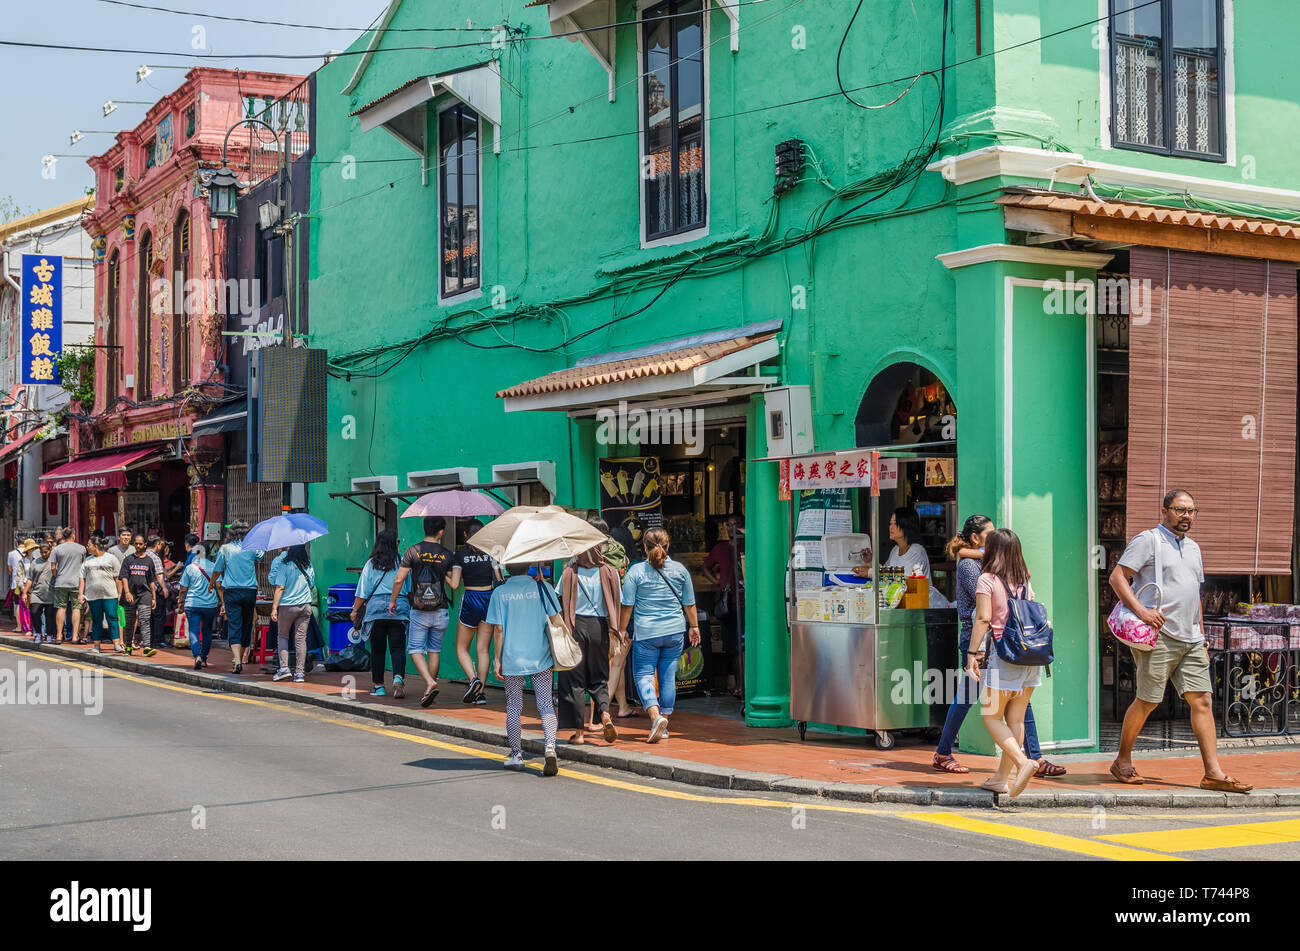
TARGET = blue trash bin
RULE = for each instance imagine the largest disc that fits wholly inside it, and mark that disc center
(338, 614)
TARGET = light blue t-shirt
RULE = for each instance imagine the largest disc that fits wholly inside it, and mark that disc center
(198, 593)
(517, 607)
(590, 598)
(297, 585)
(377, 588)
(656, 611)
(238, 567)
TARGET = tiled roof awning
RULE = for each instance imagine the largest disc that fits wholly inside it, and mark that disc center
(402, 111)
(1063, 216)
(15, 445)
(706, 368)
(584, 21)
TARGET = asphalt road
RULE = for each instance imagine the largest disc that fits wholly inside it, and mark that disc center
(166, 771)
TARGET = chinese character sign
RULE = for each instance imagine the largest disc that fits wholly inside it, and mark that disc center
(42, 325)
(850, 470)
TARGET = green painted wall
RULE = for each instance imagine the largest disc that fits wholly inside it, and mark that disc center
(562, 257)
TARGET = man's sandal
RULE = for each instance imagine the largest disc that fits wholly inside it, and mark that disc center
(1128, 775)
(1046, 768)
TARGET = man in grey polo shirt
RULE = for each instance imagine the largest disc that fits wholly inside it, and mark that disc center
(1180, 654)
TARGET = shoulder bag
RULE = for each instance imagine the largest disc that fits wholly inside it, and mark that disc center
(1127, 627)
(565, 649)
(681, 604)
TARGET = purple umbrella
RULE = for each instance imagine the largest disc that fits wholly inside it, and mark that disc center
(458, 503)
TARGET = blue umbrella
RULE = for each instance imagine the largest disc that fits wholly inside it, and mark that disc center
(296, 528)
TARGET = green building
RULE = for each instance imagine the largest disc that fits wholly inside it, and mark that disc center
(530, 220)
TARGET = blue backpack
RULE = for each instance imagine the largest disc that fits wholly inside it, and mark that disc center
(1027, 638)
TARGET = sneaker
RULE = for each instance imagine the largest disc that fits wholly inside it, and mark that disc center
(198, 664)
(659, 730)
(552, 762)
(378, 691)
(514, 761)
(282, 674)
(399, 687)
(299, 677)
(475, 688)
(128, 651)
(148, 652)
(481, 699)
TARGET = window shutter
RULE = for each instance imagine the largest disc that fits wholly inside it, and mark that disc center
(1212, 403)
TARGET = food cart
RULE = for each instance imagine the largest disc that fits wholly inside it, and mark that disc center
(853, 662)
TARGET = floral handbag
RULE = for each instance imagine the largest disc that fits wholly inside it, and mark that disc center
(1127, 626)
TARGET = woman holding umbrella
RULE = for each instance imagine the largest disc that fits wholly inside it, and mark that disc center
(294, 580)
(519, 617)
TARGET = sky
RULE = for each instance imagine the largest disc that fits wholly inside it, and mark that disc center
(49, 93)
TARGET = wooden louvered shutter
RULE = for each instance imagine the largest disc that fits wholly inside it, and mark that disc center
(1212, 403)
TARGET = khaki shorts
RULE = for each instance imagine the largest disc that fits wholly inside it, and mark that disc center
(1186, 665)
(65, 597)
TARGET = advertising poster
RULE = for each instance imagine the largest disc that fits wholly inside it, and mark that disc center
(821, 512)
(939, 472)
(631, 494)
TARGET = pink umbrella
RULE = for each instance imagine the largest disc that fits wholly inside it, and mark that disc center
(457, 503)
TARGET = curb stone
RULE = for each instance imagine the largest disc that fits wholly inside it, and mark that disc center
(674, 770)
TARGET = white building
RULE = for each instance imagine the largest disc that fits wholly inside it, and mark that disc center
(25, 410)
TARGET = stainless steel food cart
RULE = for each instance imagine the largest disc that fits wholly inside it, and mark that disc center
(847, 674)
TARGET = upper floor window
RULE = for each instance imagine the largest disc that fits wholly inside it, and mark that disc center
(119, 177)
(151, 154)
(190, 126)
(458, 198)
(672, 77)
(1167, 76)
(112, 352)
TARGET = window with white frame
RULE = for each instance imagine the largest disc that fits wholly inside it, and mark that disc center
(458, 199)
(1167, 77)
(673, 99)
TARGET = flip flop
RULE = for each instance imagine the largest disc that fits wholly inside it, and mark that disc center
(1226, 784)
(428, 698)
(1131, 778)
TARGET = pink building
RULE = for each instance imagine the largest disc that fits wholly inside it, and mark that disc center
(160, 295)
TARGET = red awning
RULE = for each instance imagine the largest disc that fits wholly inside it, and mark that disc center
(93, 473)
(11, 449)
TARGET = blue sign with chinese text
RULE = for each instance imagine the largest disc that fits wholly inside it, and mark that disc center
(42, 325)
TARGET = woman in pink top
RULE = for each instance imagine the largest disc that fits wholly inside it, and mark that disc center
(1007, 687)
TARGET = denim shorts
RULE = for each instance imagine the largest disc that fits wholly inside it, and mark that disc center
(425, 630)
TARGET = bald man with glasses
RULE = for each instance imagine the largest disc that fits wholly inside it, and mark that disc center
(1180, 654)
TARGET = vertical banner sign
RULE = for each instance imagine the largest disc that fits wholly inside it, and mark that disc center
(42, 318)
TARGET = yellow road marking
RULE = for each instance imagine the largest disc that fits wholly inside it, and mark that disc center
(1052, 840)
(951, 820)
(1212, 837)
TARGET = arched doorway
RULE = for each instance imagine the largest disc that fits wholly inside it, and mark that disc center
(907, 405)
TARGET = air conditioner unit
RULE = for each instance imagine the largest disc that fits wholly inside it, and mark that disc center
(381, 484)
(543, 472)
(789, 429)
(429, 478)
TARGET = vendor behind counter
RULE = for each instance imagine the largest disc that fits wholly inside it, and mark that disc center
(908, 553)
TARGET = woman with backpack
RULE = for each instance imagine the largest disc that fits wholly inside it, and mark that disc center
(199, 600)
(1007, 686)
(377, 625)
(657, 593)
(294, 581)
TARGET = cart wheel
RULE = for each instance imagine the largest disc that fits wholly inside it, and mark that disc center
(884, 740)
(803, 728)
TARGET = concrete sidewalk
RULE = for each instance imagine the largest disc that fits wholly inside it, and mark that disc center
(723, 753)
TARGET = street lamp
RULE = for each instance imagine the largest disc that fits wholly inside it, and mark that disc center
(223, 192)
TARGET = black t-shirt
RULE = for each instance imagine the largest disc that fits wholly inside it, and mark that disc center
(428, 553)
(137, 571)
(475, 567)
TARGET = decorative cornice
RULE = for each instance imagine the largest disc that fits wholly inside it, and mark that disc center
(1019, 254)
(1008, 161)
